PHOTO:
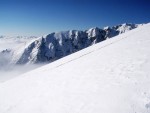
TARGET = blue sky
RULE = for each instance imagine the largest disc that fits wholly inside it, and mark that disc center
(39, 17)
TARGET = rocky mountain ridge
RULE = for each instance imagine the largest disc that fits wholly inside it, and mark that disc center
(57, 45)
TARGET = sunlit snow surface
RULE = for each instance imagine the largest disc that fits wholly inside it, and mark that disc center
(110, 77)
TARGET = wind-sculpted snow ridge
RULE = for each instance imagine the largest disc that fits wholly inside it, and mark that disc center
(57, 45)
(109, 77)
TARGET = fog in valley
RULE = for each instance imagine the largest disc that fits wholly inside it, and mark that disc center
(8, 70)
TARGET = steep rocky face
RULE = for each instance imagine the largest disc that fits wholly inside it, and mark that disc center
(96, 35)
(57, 45)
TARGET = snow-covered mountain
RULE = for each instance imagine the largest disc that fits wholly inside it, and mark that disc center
(109, 77)
(57, 45)
(119, 29)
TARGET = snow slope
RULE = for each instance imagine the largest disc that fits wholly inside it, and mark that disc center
(109, 77)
